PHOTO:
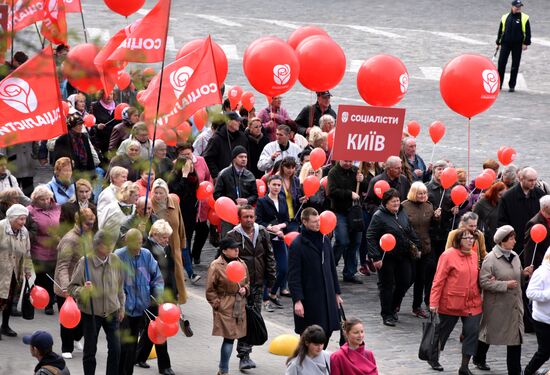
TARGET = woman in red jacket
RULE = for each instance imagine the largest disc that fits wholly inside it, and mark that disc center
(352, 358)
(456, 294)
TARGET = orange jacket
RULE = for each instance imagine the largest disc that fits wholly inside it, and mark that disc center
(455, 289)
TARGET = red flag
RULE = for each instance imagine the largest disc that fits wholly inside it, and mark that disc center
(189, 84)
(143, 41)
(54, 26)
(73, 6)
(26, 12)
(30, 102)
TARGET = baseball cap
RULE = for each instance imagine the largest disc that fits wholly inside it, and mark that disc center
(324, 93)
(234, 116)
(517, 3)
(39, 339)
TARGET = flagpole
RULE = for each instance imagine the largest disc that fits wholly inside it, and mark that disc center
(12, 29)
(83, 24)
(151, 151)
(39, 37)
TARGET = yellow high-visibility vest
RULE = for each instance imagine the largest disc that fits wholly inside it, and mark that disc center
(524, 18)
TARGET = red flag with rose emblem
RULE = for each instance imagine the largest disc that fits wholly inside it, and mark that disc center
(54, 25)
(73, 6)
(30, 102)
(25, 13)
(189, 84)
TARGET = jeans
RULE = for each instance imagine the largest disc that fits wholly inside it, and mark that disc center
(110, 326)
(68, 335)
(281, 258)
(346, 244)
(187, 263)
(513, 357)
(470, 330)
(145, 345)
(201, 235)
(424, 275)
(543, 351)
(394, 279)
(254, 299)
(363, 247)
(225, 354)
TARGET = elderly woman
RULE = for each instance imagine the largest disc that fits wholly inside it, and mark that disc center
(421, 214)
(501, 277)
(130, 160)
(44, 214)
(139, 133)
(487, 210)
(121, 131)
(317, 139)
(395, 271)
(117, 212)
(103, 110)
(117, 176)
(456, 294)
(165, 207)
(9, 197)
(163, 164)
(78, 104)
(469, 221)
(7, 180)
(61, 184)
(15, 257)
(327, 123)
(228, 300)
(69, 209)
(77, 146)
(70, 249)
(272, 116)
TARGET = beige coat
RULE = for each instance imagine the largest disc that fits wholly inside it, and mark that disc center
(172, 215)
(69, 251)
(15, 256)
(502, 321)
(223, 296)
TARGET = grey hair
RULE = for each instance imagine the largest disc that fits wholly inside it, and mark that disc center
(406, 139)
(133, 142)
(510, 172)
(545, 202)
(102, 237)
(325, 118)
(158, 142)
(41, 191)
(161, 226)
(469, 216)
(393, 160)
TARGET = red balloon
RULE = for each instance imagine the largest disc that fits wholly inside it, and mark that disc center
(382, 80)
(538, 233)
(311, 186)
(213, 217)
(469, 84)
(211, 203)
(448, 177)
(289, 237)
(387, 242)
(220, 59)
(89, 120)
(39, 297)
(253, 45)
(69, 315)
(118, 110)
(324, 182)
(328, 222)
(124, 80)
(330, 139)
(154, 334)
(260, 186)
(317, 158)
(166, 134)
(272, 67)
(80, 70)
(380, 187)
(491, 173)
(174, 197)
(413, 128)
(459, 194)
(483, 181)
(205, 190)
(304, 32)
(437, 131)
(167, 329)
(184, 131)
(235, 271)
(507, 155)
(200, 118)
(248, 100)
(124, 7)
(322, 63)
(66, 108)
(234, 96)
(227, 210)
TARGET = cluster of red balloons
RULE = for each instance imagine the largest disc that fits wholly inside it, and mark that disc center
(39, 297)
(205, 190)
(165, 325)
(236, 95)
(235, 271)
(382, 80)
(506, 155)
(437, 131)
(69, 315)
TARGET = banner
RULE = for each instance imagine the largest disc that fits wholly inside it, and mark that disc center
(26, 12)
(4, 34)
(30, 102)
(73, 6)
(366, 133)
(189, 84)
(54, 25)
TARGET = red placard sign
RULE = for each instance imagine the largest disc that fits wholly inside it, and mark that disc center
(366, 133)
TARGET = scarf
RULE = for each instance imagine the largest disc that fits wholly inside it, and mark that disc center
(125, 208)
(77, 145)
(110, 107)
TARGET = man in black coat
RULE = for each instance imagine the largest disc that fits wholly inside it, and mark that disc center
(220, 146)
(256, 143)
(309, 115)
(312, 278)
(393, 174)
(76, 146)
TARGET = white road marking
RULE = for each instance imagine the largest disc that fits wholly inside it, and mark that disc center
(220, 20)
(280, 23)
(354, 66)
(520, 82)
(372, 30)
(95, 33)
(230, 51)
(459, 38)
(432, 73)
(542, 42)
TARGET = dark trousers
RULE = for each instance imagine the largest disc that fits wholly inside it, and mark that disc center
(42, 269)
(281, 258)
(527, 318)
(27, 185)
(145, 345)
(201, 235)
(543, 351)
(110, 326)
(363, 247)
(394, 279)
(346, 244)
(513, 357)
(5, 304)
(424, 275)
(130, 327)
(68, 335)
(505, 50)
(254, 299)
(470, 330)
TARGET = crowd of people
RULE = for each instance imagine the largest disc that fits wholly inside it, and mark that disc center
(119, 227)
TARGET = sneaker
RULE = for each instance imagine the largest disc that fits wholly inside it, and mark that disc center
(268, 307)
(244, 363)
(67, 355)
(78, 345)
(420, 313)
(389, 322)
(195, 278)
(276, 303)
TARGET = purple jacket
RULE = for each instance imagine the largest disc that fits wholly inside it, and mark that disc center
(43, 232)
(280, 117)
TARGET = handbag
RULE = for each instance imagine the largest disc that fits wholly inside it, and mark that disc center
(356, 223)
(27, 309)
(414, 252)
(256, 331)
(429, 345)
(342, 321)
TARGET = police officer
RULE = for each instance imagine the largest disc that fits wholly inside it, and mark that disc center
(514, 35)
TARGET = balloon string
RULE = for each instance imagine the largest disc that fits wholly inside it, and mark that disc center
(59, 286)
(468, 149)
(432, 157)
(383, 255)
(147, 312)
(442, 196)
(453, 224)
(534, 252)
